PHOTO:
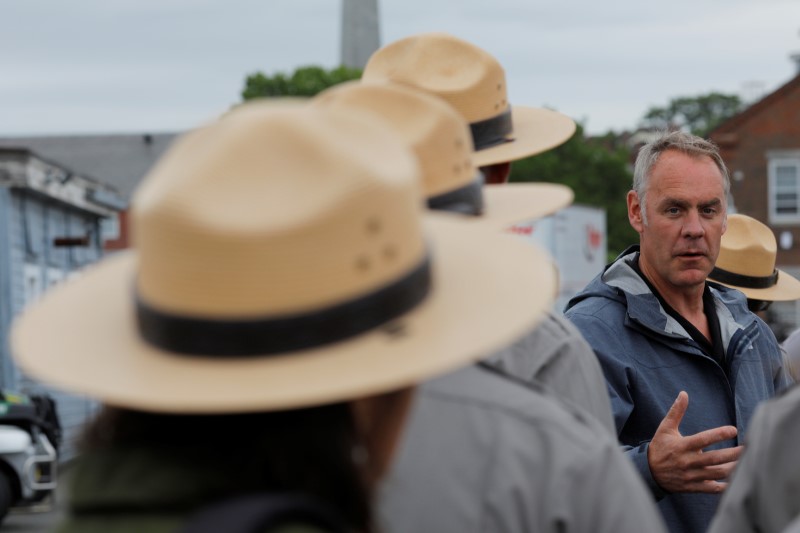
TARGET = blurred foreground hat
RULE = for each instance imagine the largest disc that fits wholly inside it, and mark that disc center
(441, 140)
(282, 260)
(474, 83)
(747, 262)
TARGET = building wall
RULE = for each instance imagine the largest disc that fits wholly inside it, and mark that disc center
(744, 147)
(35, 265)
(121, 239)
(6, 308)
(745, 141)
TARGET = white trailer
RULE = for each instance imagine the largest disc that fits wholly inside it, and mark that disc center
(576, 238)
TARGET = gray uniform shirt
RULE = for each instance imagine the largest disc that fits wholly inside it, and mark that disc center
(764, 493)
(482, 453)
(791, 351)
(556, 355)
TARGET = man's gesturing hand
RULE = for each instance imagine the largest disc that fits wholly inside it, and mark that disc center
(679, 464)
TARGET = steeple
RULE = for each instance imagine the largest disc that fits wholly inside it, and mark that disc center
(360, 32)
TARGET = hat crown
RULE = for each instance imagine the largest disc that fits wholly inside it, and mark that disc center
(438, 135)
(748, 247)
(275, 210)
(469, 78)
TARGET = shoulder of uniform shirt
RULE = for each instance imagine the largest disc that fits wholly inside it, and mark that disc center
(483, 387)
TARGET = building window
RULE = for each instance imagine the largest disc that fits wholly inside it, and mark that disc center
(109, 227)
(784, 189)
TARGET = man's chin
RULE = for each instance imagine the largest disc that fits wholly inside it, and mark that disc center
(691, 278)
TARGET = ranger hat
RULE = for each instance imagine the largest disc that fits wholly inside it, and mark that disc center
(474, 83)
(747, 262)
(282, 259)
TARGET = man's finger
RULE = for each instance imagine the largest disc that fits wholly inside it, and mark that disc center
(720, 457)
(720, 472)
(672, 420)
(706, 438)
(710, 487)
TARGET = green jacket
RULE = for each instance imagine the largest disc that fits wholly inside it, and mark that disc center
(141, 491)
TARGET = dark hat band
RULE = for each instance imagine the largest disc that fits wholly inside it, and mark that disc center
(466, 200)
(741, 280)
(266, 336)
(492, 131)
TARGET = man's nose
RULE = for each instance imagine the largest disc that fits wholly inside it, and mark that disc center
(693, 225)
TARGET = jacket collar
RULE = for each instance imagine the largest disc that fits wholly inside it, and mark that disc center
(644, 307)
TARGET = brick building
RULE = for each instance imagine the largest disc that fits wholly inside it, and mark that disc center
(761, 146)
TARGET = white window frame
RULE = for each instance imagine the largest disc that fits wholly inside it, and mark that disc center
(110, 227)
(775, 159)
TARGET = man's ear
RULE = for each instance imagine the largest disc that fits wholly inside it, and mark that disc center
(635, 212)
(724, 224)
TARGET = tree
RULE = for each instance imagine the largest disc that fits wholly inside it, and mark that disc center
(700, 114)
(305, 81)
(598, 175)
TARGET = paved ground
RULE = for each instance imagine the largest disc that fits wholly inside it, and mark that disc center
(29, 522)
(38, 520)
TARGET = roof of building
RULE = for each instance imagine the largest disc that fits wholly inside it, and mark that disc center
(120, 160)
(733, 123)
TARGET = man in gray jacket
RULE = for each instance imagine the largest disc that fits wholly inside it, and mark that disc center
(661, 332)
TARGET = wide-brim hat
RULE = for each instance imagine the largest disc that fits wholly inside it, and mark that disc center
(474, 83)
(282, 260)
(441, 140)
(747, 255)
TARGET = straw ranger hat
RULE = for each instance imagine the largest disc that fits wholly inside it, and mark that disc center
(474, 83)
(282, 260)
(442, 142)
(747, 262)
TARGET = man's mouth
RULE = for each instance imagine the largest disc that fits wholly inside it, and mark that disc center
(692, 255)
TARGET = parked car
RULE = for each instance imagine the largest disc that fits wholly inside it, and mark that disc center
(30, 434)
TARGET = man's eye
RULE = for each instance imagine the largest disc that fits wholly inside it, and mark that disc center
(673, 210)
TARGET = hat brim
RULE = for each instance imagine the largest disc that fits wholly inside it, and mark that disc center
(787, 289)
(535, 130)
(509, 204)
(488, 290)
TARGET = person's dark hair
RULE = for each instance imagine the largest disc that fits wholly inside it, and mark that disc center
(310, 451)
(757, 306)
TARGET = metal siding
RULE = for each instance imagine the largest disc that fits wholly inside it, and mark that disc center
(6, 311)
(46, 220)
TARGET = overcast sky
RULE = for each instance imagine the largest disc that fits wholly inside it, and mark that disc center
(113, 66)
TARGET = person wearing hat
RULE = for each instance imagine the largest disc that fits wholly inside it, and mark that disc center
(473, 82)
(746, 262)
(686, 362)
(262, 339)
(554, 354)
(447, 477)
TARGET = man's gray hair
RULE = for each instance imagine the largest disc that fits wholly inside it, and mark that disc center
(681, 141)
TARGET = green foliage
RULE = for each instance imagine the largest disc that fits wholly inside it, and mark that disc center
(700, 114)
(305, 81)
(599, 176)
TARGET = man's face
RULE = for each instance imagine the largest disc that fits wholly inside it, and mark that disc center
(686, 217)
